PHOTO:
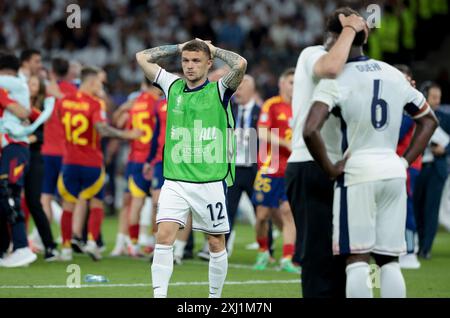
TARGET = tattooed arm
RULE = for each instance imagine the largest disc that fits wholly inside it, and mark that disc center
(106, 130)
(237, 63)
(147, 58)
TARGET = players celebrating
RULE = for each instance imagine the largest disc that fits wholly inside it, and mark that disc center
(82, 175)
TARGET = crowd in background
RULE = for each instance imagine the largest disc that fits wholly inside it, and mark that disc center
(269, 33)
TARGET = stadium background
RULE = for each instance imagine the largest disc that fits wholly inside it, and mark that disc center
(270, 34)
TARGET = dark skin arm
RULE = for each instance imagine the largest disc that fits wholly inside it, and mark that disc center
(317, 116)
(425, 127)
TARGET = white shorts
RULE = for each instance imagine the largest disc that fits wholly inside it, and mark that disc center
(370, 218)
(206, 202)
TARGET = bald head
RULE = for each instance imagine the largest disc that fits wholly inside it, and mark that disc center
(246, 91)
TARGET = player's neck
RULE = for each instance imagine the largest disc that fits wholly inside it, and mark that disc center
(86, 90)
(356, 51)
(25, 71)
(192, 85)
(285, 98)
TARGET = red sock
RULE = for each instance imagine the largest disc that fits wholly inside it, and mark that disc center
(133, 230)
(26, 211)
(288, 250)
(66, 227)
(263, 243)
(95, 223)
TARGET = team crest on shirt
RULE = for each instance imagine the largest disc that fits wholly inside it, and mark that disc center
(282, 116)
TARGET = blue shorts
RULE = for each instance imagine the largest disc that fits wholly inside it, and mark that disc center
(14, 163)
(52, 168)
(158, 178)
(269, 191)
(137, 185)
(81, 182)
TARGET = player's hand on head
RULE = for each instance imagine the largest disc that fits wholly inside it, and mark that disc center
(181, 45)
(212, 48)
(354, 21)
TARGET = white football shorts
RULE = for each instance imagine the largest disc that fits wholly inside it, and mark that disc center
(370, 218)
(206, 202)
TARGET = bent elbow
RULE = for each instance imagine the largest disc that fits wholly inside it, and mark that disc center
(323, 70)
(331, 72)
(308, 134)
(140, 58)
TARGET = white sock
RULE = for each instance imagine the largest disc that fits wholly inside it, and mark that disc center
(120, 239)
(127, 240)
(392, 282)
(162, 269)
(56, 212)
(178, 248)
(218, 267)
(151, 240)
(358, 281)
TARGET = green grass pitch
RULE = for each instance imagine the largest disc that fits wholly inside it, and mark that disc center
(131, 277)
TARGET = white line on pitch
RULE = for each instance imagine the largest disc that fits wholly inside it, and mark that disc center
(248, 282)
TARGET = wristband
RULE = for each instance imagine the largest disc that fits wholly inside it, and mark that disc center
(349, 26)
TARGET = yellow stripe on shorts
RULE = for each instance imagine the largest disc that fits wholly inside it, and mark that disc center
(63, 192)
(92, 191)
(135, 191)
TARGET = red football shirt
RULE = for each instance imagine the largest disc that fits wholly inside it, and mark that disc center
(142, 116)
(161, 112)
(53, 129)
(78, 114)
(403, 146)
(275, 114)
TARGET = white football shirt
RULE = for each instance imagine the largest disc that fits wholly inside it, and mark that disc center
(304, 84)
(370, 97)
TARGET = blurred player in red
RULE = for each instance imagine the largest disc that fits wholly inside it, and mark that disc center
(82, 174)
(136, 114)
(270, 196)
(54, 138)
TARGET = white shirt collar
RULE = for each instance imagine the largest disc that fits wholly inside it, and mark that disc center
(249, 105)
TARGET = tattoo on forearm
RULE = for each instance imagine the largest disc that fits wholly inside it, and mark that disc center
(238, 68)
(107, 131)
(156, 53)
